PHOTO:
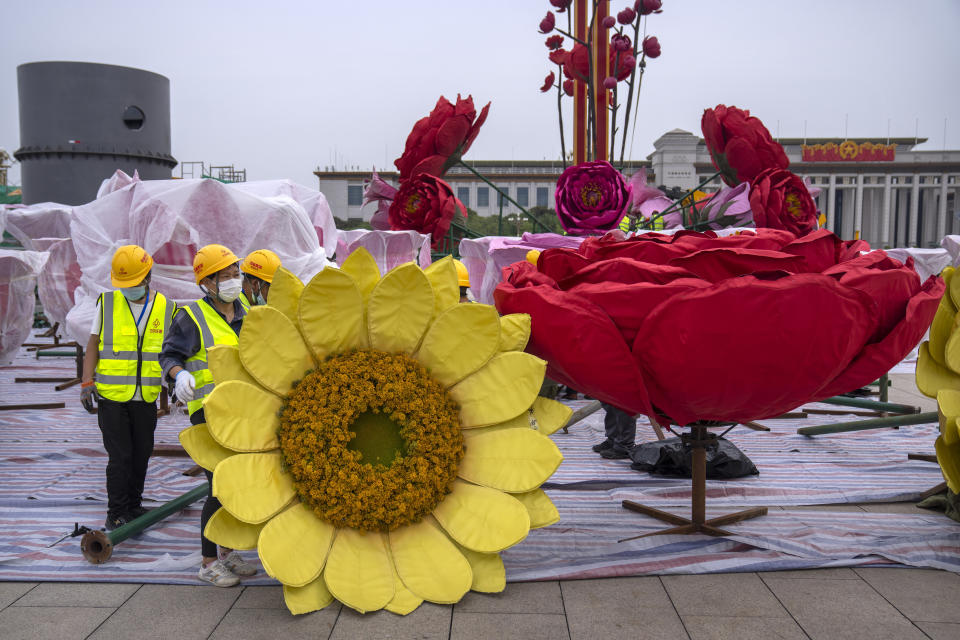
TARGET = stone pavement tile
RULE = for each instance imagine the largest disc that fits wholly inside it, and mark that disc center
(518, 597)
(271, 624)
(897, 507)
(841, 610)
(11, 591)
(169, 611)
(55, 623)
(940, 630)
(830, 573)
(427, 622)
(262, 598)
(529, 626)
(742, 628)
(723, 594)
(636, 608)
(78, 594)
(929, 595)
(840, 506)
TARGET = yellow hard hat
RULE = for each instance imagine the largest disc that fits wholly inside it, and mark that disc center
(210, 259)
(261, 263)
(129, 266)
(463, 276)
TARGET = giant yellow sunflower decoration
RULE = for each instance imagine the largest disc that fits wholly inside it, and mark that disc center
(376, 441)
(938, 376)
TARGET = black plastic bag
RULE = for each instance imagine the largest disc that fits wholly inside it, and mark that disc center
(671, 457)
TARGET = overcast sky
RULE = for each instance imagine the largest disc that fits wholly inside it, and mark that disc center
(275, 87)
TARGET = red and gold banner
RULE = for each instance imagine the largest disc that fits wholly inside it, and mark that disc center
(849, 151)
(600, 59)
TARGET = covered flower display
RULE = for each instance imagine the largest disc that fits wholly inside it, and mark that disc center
(698, 327)
(376, 441)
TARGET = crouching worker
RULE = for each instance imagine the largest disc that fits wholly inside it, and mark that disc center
(127, 334)
(215, 319)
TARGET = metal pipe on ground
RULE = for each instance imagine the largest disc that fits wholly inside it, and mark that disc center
(97, 546)
(862, 403)
(875, 423)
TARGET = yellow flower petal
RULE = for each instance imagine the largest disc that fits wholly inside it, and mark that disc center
(224, 363)
(943, 321)
(359, 572)
(272, 350)
(542, 511)
(951, 351)
(400, 308)
(331, 313)
(460, 341)
(363, 267)
(948, 406)
(489, 575)
(312, 597)
(514, 332)
(550, 415)
(482, 519)
(442, 275)
(285, 293)
(931, 376)
(522, 421)
(243, 416)
(515, 460)
(202, 448)
(294, 544)
(953, 287)
(231, 533)
(429, 564)
(404, 601)
(503, 389)
(253, 486)
(949, 458)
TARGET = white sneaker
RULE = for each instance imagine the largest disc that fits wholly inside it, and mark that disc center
(217, 574)
(235, 563)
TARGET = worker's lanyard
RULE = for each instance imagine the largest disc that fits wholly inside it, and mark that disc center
(146, 303)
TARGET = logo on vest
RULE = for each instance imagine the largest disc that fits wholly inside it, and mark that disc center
(156, 326)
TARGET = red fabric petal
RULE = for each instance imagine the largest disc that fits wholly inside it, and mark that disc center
(451, 135)
(625, 271)
(715, 265)
(712, 361)
(877, 359)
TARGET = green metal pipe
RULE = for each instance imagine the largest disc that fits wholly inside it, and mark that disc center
(863, 403)
(97, 546)
(873, 423)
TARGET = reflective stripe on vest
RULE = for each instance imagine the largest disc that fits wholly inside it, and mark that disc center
(244, 302)
(213, 330)
(122, 348)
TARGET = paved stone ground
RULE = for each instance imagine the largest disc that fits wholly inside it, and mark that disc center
(828, 604)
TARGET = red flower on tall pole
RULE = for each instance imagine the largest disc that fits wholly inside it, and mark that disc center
(740, 146)
(438, 141)
(425, 204)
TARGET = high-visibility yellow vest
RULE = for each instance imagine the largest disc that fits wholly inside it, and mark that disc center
(127, 359)
(658, 225)
(213, 330)
(244, 302)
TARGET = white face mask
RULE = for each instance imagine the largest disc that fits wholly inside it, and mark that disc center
(134, 293)
(228, 290)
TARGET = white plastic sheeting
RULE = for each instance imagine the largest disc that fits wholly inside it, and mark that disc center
(18, 277)
(58, 281)
(486, 257)
(926, 262)
(172, 219)
(312, 201)
(389, 248)
(38, 226)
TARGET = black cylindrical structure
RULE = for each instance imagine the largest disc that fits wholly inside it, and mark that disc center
(80, 122)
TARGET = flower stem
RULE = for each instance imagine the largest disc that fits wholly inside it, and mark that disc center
(613, 115)
(633, 75)
(563, 144)
(569, 35)
(506, 196)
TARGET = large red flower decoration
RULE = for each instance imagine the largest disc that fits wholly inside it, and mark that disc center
(425, 204)
(740, 146)
(780, 200)
(438, 141)
(698, 327)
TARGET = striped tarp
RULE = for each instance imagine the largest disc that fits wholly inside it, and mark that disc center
(52, 475)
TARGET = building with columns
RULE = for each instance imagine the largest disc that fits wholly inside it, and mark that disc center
(880, 190)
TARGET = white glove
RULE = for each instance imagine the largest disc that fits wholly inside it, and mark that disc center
(185, 386)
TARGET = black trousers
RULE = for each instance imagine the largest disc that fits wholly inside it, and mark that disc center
(127, 429)
(207, 547)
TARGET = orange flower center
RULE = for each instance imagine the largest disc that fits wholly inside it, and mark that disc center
(590, 195)
(412, 203)
(794, 208)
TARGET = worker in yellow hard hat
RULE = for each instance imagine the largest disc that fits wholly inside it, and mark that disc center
(122, 373)
(463, 279)
(258, 269)
(215, 319)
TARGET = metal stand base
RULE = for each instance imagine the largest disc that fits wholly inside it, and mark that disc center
(698, 440)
